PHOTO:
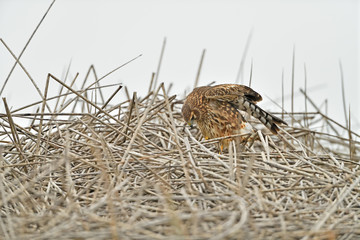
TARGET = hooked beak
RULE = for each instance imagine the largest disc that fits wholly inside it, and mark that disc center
(191, 123)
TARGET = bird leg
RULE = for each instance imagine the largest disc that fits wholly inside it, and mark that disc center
(221, 148)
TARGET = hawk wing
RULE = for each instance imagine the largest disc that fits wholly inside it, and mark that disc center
(232, 92)
(245, 99)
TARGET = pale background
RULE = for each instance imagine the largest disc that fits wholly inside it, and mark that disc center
(109, 33)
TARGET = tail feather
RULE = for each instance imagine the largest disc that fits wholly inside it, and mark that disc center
(269, 120)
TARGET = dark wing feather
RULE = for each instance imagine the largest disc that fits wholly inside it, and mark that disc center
(244, 99)
(232, 92)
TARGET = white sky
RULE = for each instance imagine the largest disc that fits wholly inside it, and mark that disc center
(109, 33)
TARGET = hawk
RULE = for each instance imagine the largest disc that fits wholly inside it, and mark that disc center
(215, 109)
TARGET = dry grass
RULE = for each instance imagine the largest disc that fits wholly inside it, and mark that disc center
(87, 170)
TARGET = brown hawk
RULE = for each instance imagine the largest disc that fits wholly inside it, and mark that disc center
(215, 109)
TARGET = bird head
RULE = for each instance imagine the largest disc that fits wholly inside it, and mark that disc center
(190, 115)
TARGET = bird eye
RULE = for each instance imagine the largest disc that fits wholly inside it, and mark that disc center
(192, 116)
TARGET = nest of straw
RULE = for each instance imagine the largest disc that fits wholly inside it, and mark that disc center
(87, 170)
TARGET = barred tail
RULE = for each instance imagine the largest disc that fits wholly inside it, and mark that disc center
(269, 120)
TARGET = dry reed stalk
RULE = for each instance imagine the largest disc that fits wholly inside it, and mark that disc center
(240, 73)
(156, 77)
(23, 50)
(196, 83)
(133, 170)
